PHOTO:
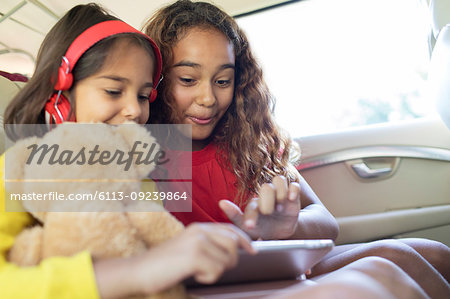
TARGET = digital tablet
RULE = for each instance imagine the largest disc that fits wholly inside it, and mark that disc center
(275, 260)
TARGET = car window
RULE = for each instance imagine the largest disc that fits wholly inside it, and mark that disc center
(338, 64)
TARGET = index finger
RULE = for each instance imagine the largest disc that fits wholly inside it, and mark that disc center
(243, 239)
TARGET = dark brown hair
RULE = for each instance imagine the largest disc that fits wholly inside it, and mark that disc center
(256, 149)
(27, 107)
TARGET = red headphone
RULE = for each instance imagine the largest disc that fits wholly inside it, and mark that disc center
(57, 107)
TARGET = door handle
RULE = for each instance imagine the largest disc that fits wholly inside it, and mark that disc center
(363, 171)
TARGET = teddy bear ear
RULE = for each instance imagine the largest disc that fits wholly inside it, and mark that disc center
(137, 136)
(15, 160)
(132, 132)
(14, 174)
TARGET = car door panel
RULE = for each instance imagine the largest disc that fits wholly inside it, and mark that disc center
(383, 181)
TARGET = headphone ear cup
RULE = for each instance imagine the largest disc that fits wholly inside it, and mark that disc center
(64, 80)
(60, 113)
(153, 95)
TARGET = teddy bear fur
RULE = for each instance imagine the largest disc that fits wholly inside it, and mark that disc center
(106, 229)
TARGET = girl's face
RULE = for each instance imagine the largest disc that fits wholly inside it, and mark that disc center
(119, 92)
(202, 80)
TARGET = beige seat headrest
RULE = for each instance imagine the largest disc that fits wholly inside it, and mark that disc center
(439, 75)
(8, 89)
(439, 71)
(440, 15)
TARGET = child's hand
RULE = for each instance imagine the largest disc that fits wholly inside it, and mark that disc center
(274, 215)
(206, 250)
(203, 250)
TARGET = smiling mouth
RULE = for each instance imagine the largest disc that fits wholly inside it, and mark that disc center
(200, 121)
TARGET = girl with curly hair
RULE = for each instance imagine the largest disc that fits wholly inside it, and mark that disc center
(241, 160)
(213, 82)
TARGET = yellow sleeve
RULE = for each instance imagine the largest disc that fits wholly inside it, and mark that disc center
(57, 277)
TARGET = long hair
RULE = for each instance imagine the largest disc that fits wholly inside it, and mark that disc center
(27, 107)
(256, 149)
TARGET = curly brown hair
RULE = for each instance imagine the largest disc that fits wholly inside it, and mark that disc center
(256, 149)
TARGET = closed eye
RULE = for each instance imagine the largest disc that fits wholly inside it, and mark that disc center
(187, 81)
(143, 97)
(113, 92)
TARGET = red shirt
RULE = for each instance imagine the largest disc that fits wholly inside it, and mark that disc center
(210, 184)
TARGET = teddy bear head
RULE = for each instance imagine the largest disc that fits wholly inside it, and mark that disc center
(99, 162)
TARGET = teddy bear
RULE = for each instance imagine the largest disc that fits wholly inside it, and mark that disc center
(88, 159)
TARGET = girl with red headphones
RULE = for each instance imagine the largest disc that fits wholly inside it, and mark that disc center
(93, 67)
